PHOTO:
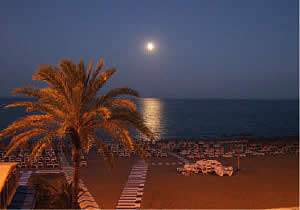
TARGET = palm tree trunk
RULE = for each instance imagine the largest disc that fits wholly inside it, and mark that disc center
(76, 162)
(75, 140)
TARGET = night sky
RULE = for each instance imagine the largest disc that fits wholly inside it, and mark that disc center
(243, 49)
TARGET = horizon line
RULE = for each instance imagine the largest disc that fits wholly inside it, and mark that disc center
(188, 98)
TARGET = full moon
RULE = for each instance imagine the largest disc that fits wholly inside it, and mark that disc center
(150, 46)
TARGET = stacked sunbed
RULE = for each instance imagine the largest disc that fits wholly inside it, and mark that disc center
(205, 167)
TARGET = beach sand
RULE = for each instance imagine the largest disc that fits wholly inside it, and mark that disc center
(106, 185)
(263, 182)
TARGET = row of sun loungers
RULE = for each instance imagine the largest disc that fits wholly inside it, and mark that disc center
(48, 159)
(201, 149)
(159, 154)
(119, 151)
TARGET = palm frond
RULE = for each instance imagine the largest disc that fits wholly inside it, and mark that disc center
(112, 94)
(80, 71)
(52, 76)
(30, 91)
(27, 122)
(125, 103)
(45, 95)
(88, 73)
(19, 139)
(67, 66)
(36, 106)
(95, 74)
(101, 113)
(98, 83)
(39, 146)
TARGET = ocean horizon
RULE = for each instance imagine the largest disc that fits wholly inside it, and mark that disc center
(202, 118)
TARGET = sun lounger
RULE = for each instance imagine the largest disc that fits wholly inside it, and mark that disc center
(83, 163)
(126, 154)
(179, 170)
(227, 155)
(164, 154)
(228, 171)
(259, 154)
(40, 165)
(219, 171)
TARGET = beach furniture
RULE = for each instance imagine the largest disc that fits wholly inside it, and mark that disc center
(219, 170)
(148, 155)
(197, 156)
(204, 170)
(228, 170)
(209, 169)
(56, 165)
(242, 155)
(40, 165)
(47, 159)
(163, 154)
(191, 157)
(180, 170)
(227, 155)
(83, 163)
(34, 165)
(11, 158)
(189, 169)
(259, 154)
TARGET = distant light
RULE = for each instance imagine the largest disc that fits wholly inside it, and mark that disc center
(150, 46)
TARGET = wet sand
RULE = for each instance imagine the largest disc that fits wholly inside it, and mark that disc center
(263, 182)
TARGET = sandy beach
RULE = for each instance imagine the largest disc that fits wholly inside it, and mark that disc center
(106, 185)
(263, 182)
(266, 182)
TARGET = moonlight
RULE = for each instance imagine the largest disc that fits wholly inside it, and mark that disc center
(150, 46)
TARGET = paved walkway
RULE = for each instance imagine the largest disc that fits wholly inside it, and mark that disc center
(24, 178)
(85, 200)
(24, 195)
(131, 196)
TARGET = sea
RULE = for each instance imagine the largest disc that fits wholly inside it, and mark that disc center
(202, 118)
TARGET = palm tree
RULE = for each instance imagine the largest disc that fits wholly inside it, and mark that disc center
(70, 105)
